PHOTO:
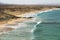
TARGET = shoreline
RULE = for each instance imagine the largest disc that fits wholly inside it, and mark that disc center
(25, 19)
(37, 12)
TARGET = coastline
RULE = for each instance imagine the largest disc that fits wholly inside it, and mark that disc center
(12, 21)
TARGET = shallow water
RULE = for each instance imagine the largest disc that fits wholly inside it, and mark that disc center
(22, 33)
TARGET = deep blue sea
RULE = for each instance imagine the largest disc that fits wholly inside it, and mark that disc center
(46, 27)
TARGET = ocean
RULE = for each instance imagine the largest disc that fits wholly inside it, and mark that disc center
(46, 26)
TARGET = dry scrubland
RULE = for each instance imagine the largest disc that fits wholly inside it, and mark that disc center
(18, 10)
(10, 12)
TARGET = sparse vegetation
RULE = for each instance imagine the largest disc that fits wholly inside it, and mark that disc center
(22, 9)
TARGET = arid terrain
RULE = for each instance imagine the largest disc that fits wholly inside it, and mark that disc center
(10, 14)
(18, 10)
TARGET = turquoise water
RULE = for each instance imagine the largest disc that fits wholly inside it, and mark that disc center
(48, 29)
